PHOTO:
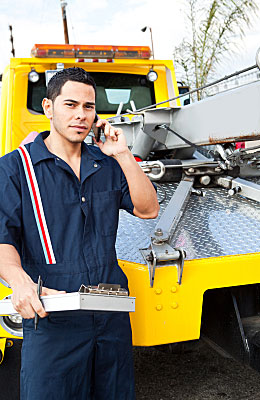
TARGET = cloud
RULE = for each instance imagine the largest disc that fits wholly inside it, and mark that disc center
(99, 22)
(122, 25)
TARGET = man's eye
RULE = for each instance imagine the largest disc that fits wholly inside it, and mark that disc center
(89, 106)
(70, 104)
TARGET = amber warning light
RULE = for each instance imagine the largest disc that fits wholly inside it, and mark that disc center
(90, 52)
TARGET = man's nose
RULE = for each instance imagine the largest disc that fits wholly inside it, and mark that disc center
(80, 113)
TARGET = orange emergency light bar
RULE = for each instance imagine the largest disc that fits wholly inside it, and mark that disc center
(90, 51)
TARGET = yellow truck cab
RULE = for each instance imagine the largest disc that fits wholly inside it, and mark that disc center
(121, 73)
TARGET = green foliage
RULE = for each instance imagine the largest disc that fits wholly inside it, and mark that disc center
(213, 26)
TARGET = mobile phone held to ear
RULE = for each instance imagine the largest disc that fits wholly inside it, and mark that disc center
(97, 131)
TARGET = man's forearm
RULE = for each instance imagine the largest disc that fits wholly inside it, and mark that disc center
(142, 192)
(141, 189)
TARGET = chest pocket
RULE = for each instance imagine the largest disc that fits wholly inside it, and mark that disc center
(105, 208)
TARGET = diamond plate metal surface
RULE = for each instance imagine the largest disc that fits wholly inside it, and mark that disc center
(211, 226)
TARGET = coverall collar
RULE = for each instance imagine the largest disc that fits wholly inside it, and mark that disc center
(40, 152)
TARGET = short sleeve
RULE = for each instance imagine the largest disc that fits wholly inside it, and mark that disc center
(10, 204)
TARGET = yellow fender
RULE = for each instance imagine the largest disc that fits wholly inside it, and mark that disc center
(2, 349)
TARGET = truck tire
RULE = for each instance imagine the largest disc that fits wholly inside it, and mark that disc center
(10, 372)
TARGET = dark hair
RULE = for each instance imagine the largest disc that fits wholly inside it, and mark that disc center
(67, 74)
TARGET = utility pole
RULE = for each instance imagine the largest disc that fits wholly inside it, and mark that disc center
(12, 40)
(64, 18)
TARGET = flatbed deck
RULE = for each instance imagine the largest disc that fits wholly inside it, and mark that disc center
(216, 225)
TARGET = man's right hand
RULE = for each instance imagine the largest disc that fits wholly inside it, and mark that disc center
(25, 299)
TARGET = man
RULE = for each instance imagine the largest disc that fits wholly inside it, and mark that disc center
(86, 355)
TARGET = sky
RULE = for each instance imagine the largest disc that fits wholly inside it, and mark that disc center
(111, 22)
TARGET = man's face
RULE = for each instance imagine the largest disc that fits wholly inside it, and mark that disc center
(72, 113)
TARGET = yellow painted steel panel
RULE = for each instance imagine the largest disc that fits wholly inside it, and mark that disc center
(17, 121)
(169, 312)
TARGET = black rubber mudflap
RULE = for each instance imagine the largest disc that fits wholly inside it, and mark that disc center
(10, 372)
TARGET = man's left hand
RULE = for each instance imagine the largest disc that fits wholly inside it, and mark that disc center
(115, 140)
(142, 192)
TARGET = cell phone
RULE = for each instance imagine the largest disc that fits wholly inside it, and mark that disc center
(97, 131)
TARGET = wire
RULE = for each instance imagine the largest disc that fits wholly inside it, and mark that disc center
(187, 93)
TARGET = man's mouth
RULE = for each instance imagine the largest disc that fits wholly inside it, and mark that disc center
(79, 128)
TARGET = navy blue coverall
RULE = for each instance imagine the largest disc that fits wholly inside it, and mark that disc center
(86, 355)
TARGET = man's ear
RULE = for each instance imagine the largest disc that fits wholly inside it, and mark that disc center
(47, 107)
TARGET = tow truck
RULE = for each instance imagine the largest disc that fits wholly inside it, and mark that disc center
(195, 270)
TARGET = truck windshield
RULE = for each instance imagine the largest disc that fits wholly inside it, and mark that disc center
(112, 89)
